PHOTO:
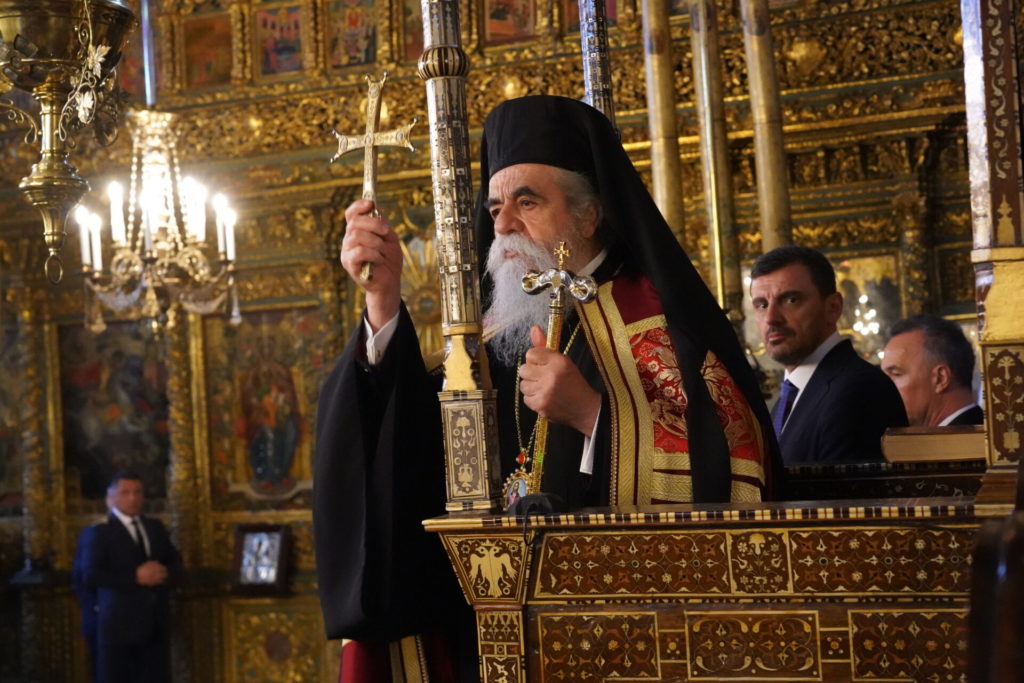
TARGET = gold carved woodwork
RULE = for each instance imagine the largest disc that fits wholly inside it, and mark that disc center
(955, 275)
(282, 282)
(909, 218)
(274, 640)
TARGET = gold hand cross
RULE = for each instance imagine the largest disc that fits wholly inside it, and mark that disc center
(369, 142)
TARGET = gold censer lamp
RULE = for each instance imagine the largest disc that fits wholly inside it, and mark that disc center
(62, 52)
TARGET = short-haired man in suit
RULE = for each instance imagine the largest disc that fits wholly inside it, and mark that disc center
(932, 364)
(131, 562)
(834, 406)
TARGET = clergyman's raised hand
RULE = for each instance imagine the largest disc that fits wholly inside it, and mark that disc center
(369, 239)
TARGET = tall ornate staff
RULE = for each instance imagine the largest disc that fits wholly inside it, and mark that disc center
(560, 282)
(369, 142)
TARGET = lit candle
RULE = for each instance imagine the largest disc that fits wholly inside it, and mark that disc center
(188, 205)
(117, 229)
(147, 219)
(220, 205)
(82, 218)
(197, 210)
(229, 232)
(97, 250)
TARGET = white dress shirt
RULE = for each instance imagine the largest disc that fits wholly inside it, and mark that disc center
(127, 521)
(955, 414)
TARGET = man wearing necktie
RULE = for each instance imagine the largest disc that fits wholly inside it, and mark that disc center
(833, 405)
(131, 563)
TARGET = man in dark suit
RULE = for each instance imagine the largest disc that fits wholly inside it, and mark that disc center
(932, 365)
(86, 593)
(131, 563)
(834, 406)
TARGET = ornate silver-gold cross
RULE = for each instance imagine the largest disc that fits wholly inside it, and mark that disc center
(369, 142)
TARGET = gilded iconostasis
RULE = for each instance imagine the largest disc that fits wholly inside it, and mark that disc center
(218, 415)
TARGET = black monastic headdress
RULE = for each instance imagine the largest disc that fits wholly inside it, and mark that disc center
(569, 134)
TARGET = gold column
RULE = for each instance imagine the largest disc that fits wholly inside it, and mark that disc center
(181, 490)
(597, 70)
(993, 95)
(661, 112)
(714, 155)
(769, 153)
(908, 215)
(36, 540)
(182, 501)
(468, 403)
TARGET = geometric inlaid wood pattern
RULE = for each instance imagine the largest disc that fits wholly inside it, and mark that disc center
(500, 639)
(597, 646)
(766, 645)
(755, 562)
(819, 642)
(909, 645)
(1004, 366)
(633, 564)
(881, 560)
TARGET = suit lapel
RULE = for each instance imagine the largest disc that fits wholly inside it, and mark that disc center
(816, 389)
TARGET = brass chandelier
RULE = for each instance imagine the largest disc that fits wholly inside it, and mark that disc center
(64, 53)
(158, 254)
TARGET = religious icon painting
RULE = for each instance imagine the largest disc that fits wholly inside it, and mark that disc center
(571, 14)
(206, 49)
(131, 76)
(261, 558)
(262, 378)
(509, 21)
(114, 398)
(11, 388)
(412, 30)
(277, 40)
(351, 33)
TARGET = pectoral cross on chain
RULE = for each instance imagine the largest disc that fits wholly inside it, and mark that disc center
(369, 142)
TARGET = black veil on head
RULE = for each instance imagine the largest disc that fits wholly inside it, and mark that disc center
(568, 134)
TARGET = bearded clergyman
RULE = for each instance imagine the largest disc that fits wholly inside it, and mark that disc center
(649, 397)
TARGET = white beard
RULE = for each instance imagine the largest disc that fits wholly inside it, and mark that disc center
(511, 311)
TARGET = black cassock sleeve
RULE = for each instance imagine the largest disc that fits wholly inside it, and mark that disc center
(378, 472)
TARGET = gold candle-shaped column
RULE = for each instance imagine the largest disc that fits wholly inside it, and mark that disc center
(597, 70)
(468, 403)
(714, 155)
(661, 112)
(769, 153)
(997, 212)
